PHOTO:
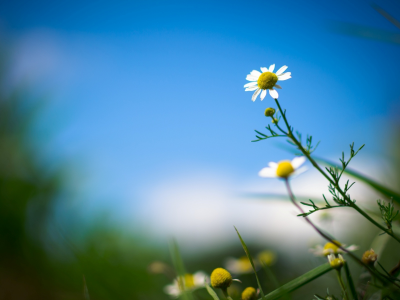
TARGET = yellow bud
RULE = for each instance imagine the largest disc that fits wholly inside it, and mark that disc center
(220, 278)
(249, 293)
(269, 112)
(275, 120)
(369, 257)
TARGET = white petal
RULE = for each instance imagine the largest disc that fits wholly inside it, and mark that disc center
(298, 161)
(252, 78)
(264, 69)
(267, 172)
(250, 84)
(252, 88)
(277, 86)
(352, 248)
(172, 289)
(199, 278)
(273, 165)
(281, 70)
(271, 68)
(285, 76)
(255, 73)
(256, 93)
(299, 171)
(263, 93)
(274, 94)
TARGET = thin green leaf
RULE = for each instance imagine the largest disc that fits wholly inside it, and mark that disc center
(212, 293)
(251, 261)
(385, 191)
(179, 267)
(299, 282)
(350, 282)
(85, 289)
(261, 133)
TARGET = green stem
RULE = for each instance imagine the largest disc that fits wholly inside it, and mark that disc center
(335, 184)
(379, 276)
(339, 277)
(225, 292)
(350, 281)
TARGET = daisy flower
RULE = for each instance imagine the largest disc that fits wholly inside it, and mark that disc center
(238, 266)
(185, 283)
(331, 248)
(336, 262)
(261, 82)
(284, 168)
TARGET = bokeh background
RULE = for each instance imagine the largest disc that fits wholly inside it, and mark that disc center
(125, 124)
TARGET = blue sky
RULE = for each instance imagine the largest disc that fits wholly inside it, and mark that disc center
(142, 92)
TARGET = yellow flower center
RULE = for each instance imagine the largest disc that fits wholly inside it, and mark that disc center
(249, 293)
(267, 80)
(331, 248)
(244, 264)
(189, 281)
(337, 263)
(221, 278)
(285, 169)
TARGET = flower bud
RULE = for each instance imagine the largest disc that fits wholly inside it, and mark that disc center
(269, 112)
(369, 257)
(249, 293)
(275, 120)
(336, 262)
(220, 278)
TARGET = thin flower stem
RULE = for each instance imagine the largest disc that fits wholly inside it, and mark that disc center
(335, 184)
(350, 281)
(332, 240)
(225, 292)
(339, 277)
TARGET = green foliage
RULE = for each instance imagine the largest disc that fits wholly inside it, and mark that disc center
(299, 282)
(246, 250)
(212, 293)
(387, 212)
(261, 136)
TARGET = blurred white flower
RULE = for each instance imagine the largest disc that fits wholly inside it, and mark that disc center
(331, 248)
(284, 169)
(238, 266)
(186, 283)
(261, 82)
(267, 257)
(242, 264)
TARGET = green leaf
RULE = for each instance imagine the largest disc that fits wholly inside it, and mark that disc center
(385, 191)
(85, 289)
(212, 293)
(299, 282)
(251, 261)
(179, 267)
(350, 282)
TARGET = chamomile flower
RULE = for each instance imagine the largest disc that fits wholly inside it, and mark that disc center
(186, 283)
(284, 169)
(336, 262)
(266, 81)
(238, 266)
(331, 248)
